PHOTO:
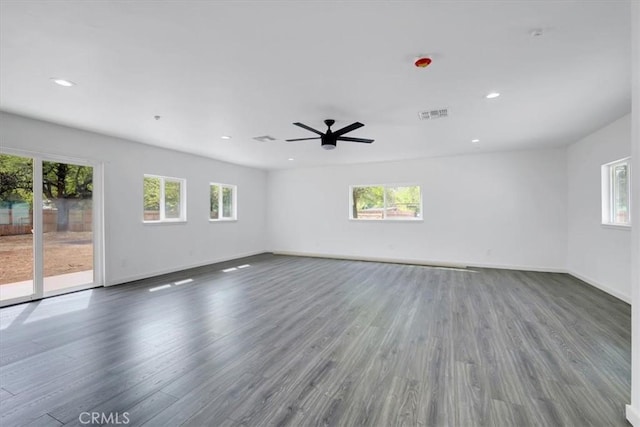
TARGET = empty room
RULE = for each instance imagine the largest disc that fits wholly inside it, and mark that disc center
(302, 213)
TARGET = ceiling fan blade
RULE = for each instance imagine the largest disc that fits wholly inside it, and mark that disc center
(352, 126)
(300, 139)
(346, 138)
(303, 126)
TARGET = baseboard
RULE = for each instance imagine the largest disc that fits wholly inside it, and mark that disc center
(181, 268)
(603, 288)
(633, 416)
(519, 267)
(427, 263)
(372, 259)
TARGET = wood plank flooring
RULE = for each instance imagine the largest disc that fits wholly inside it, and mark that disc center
(303, 341)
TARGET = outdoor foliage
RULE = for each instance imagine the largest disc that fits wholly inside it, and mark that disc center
(621, 192)
(151, 194)
(227, 202)
(65, 181)
(172, 199)
(214, 198)
(59, 180)
(63, 185)
(153, 191)
(367, 198)
(221, 194)
(16, 179)
(404, 198)
(398, 199)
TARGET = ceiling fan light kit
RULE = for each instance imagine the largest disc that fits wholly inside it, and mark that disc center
(329, 139)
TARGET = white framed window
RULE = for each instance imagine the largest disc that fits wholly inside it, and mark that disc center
(385, 202)
(616, 193)
(165, 199)
(222, 202)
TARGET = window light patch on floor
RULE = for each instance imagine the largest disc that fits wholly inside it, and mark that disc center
(183, 282)
(157, 288)
(244, 266)
(227, 270)
(9, 315)
(58, 306)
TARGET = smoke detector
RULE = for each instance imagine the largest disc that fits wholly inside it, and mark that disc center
(536, 32)
(433, 114)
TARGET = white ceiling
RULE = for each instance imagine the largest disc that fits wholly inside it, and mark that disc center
(246, 69)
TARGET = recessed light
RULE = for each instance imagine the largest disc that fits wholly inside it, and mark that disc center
(62, 82)
(225, 137)
(493, 95)
(475, 141)
(290, 158)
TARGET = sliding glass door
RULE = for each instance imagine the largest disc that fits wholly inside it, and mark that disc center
(49, 233)
(67, 225)
(16, 227)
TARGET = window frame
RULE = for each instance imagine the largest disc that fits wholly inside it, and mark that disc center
(385, 187)
(234, 202)
(609, 190)
(162, 200)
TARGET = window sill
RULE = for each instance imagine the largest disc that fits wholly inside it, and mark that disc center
(223, 220)
(617, 226)
(164, 222)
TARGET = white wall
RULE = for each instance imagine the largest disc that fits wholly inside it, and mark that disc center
(633, 411)
(498, 209)
(598, 254)
(133, 249)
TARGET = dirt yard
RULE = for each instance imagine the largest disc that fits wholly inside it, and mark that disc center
(64, 252)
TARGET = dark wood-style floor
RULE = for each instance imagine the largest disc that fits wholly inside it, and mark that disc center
(301, 341)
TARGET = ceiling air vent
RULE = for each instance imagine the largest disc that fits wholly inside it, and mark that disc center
(433, 114)
(264, 138)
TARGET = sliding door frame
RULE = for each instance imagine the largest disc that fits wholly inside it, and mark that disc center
(38, 236)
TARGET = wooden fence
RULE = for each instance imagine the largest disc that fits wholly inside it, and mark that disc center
(14, 223)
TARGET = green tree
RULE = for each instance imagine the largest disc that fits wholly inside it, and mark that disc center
(66, 185)
(16, 179)
(151, 194)
(214, 198)
(366, 198)
(62, 183)
(405, 198)
(172, 199)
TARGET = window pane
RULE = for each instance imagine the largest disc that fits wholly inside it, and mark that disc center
(620, 201)
(368, 203)
(214, 197)
(67, 219)
(403, 202)
(151, 199)
(172, 199)
(227, 202)
(16, 225)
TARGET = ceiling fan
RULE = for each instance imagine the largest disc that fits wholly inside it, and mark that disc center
(330, 138)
